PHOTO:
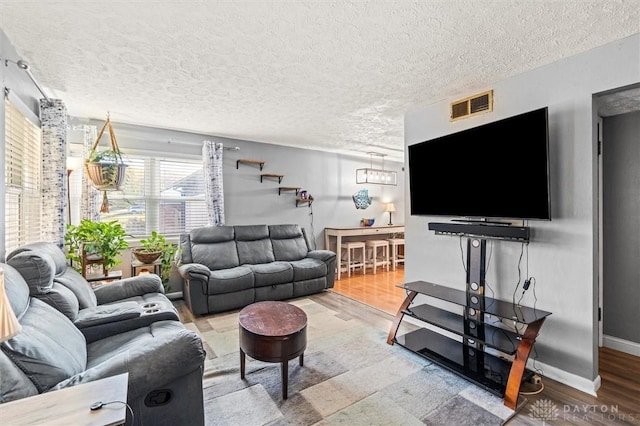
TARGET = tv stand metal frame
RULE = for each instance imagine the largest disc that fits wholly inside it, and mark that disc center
(473, 334)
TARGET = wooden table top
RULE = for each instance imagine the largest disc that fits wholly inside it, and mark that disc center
(271, 318)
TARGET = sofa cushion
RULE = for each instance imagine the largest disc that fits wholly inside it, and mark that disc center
(308, 268)
(49, 348)
(288, 242)
(37, 269)
(79, 286)
(63, 300)
(40, 247)
(213, 246)
(16, 289)
(254, 245)
(230, 280)
(273, 273)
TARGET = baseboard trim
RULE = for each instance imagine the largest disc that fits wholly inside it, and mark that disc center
(626, 346)
(577, 382)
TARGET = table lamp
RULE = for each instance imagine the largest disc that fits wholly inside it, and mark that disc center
(9, 325)
(390, 208)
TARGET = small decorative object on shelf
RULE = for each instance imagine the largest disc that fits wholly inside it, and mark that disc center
(367, 222)
(106, 169)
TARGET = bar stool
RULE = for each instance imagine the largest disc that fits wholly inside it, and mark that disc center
(353, 260)
(379, 254)
(397, 255)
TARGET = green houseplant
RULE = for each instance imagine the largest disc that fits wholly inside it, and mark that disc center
(157, 247)
(151, 248)
(97, 240)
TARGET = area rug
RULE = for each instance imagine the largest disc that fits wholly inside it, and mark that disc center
(351, 376)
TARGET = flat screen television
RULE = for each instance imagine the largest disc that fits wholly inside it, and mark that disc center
(496, 170)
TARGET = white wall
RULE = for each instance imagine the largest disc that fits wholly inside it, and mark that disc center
(562, 254)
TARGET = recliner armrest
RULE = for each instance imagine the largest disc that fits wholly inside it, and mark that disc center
(104, 314)
(189, 270)
(129, 287)
(154, 358)
(324, 255)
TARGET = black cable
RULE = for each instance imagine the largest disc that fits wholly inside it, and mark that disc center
(313, 239)
(98, 405)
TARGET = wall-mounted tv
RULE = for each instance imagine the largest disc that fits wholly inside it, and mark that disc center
(497, 170)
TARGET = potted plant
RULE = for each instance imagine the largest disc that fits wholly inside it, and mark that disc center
(100, 242)
(106, 169)
(167, 261)
(151, 248)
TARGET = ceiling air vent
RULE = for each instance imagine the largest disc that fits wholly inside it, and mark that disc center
(463, 108)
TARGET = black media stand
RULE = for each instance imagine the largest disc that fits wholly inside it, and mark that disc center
(487, 353)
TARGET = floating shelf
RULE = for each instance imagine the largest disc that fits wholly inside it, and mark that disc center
(288, 188)
(247, 161)
(303, 201)
(272, 175)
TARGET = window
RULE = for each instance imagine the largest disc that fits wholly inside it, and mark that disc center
(22, 171)
(159, 194)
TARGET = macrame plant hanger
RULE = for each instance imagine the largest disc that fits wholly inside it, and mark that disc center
(106, 169)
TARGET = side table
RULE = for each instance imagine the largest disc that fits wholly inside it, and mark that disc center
(70, 406)
(273, 332)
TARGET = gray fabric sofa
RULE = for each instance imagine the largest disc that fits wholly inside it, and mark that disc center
(104, 311)
(229, 267)
(164, 360)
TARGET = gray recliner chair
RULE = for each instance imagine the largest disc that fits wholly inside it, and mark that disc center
(164, 360)
(104, 311)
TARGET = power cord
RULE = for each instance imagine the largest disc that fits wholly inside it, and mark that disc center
(98, 405)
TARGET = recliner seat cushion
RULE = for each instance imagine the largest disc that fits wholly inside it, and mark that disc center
(230, 280)
(308, 268)
(273, 273)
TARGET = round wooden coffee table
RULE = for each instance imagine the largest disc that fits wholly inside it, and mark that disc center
(273, 332)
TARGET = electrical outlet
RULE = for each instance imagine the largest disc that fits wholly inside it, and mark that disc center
(535, 379)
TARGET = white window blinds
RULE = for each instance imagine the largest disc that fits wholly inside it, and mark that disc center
(23, 168)
(159, 194)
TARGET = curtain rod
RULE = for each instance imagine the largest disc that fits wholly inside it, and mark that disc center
(25, 67)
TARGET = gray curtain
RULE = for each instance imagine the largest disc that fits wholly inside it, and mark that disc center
(53, 119)
(214, 191)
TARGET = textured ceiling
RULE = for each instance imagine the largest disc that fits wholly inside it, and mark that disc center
(335, 76)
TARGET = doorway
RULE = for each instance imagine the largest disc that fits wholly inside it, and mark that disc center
(619, 219)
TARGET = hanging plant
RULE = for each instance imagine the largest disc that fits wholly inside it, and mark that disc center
(106, 168)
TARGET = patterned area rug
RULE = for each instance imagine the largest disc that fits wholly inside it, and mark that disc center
(351, 376)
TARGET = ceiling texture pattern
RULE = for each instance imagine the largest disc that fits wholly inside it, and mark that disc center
(333, 76)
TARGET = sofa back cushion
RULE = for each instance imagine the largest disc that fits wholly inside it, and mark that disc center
(254, 245)
(57, 255)
(212, 246)
(49, 348)
(288, 242)
(37, 269)
(75, 282)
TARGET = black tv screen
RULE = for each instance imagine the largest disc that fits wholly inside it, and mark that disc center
(497, 170)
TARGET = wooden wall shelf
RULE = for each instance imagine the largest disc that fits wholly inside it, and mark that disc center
(248, 161)
(304, 201)
(289, 188)
(272, 175)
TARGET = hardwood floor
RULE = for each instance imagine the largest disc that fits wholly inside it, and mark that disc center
(618, 400)
(378, 290)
